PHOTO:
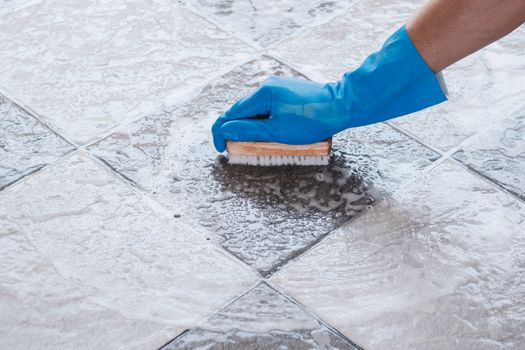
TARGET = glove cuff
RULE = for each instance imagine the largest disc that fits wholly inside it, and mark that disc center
(391, 82)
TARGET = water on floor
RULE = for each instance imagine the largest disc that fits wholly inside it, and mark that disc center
(122, 228)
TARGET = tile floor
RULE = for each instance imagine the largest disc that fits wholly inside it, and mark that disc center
(121, 228)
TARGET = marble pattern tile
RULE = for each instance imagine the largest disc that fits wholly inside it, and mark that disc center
(88, 66)
(499, 154)
(261, 319)
(482, 87)
(440, 265)
(264, 216)
(122, 250)
(266, 22)
(25, 144)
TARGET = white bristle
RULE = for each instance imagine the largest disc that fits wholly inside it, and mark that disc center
(278, 160)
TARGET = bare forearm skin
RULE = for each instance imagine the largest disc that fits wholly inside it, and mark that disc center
(445, 31)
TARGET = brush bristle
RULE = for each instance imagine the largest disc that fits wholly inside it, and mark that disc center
(278, 160)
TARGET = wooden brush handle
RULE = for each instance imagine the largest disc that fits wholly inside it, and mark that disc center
(322, 148)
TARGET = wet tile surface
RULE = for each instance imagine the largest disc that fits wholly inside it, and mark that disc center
(40, 309)
(333, 48)
(263, 216)
(127, 255)
(89, 66)
(440, 265)
(261, 319)
(25, 144)
(499, 154)
(482, 87)
(266, 22)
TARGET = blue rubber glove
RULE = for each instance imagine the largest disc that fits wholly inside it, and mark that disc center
(392, 82)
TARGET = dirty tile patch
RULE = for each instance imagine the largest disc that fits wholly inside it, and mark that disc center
(261, 319)
(482, 87)
(126, 253)
(439, 265)
(40, 309)
(264, 216)
(26, 145)
(88, 66)
(266, 22)
(499, 154)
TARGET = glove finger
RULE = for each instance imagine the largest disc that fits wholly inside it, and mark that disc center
(257, 103)
(249, 130)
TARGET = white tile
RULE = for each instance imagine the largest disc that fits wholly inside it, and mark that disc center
(39, 309)
(482, 87)
(127, 255)
(25, 144)
(87, 66)
(333, 48)
(499, 153)
(265, 22)
(261, 319)
(440, 265)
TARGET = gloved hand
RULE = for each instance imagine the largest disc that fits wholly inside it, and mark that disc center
(391, 82)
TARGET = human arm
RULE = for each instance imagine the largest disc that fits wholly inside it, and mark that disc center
(397, 80)
(445, 31)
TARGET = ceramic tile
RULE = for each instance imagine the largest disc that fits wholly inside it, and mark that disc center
(266, 22)
(439, 265)
(333, 48)
(25, 144)
(127, 254)
(261, 319)
(40, 309)
(499, 154)
(482, 87)
(263, 216)
(88, 66)
(7, 6)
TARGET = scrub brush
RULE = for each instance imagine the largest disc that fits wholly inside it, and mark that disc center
(273, 153)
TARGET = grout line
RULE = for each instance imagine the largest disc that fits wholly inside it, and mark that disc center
(234, 35)
(144, 194)
(180, 335)
(487, 179)
(278, 289)
(448, 155)
(119, 126)
(313, 24)
(36, 115)
(415, 138)
(363, 212)
(217, 311)
(302, 71)
(26, 178)
(310, 312)
(9, 184)
(35, 172)
(186, 97)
